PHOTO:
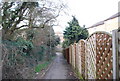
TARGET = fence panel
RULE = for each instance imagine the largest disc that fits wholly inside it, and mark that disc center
(99, 56)
(78, 58)
(82, 48)
(73, 56)
(67, 54)
(104, 56)
(81, 55)
(75, 47)
(90, 57)
(70, 54)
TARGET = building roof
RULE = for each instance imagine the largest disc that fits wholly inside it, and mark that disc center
(97, 24)
(113, 16)
(102, 22)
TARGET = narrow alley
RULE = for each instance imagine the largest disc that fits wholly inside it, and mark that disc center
(59, 69)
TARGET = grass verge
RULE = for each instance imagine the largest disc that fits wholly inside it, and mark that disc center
(42, 66)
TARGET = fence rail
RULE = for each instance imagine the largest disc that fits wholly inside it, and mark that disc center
(97, 57)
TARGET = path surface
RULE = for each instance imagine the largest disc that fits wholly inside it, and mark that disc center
(59, 69)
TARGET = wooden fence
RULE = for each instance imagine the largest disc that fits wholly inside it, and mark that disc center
(104, 56)
(81, 57)
(95, 58)
(116, 54)
(90, 57)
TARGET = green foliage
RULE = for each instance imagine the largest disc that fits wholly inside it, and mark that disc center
(42, 66)
(53, 41)
(65, 43)
(73, 33)
(31, 34)
(41, 52)
(57, 40)
(24, 45)
(18, 50)
(22, 42)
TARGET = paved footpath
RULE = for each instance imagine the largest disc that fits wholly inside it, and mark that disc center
(60, 69)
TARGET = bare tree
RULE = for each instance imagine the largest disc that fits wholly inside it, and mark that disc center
(17, 15)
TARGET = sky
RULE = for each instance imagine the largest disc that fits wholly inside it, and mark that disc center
(88, 12)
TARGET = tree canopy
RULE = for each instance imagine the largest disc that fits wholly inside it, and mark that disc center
(74, 32)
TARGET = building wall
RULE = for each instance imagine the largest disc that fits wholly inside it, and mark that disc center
(97, 28)
(112, 24)
(108, 26)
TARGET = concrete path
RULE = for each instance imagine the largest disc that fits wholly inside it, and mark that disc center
(59, 69)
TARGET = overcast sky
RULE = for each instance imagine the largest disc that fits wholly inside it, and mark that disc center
(88, 12)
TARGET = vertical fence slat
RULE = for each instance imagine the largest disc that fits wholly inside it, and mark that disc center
(82, 57)
(70, 54)
(115, 43)
(115, 54)
(119, 53)
(73, 56)
(77, 58)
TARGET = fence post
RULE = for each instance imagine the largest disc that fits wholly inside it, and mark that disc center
(86, 69)
(115, 54)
